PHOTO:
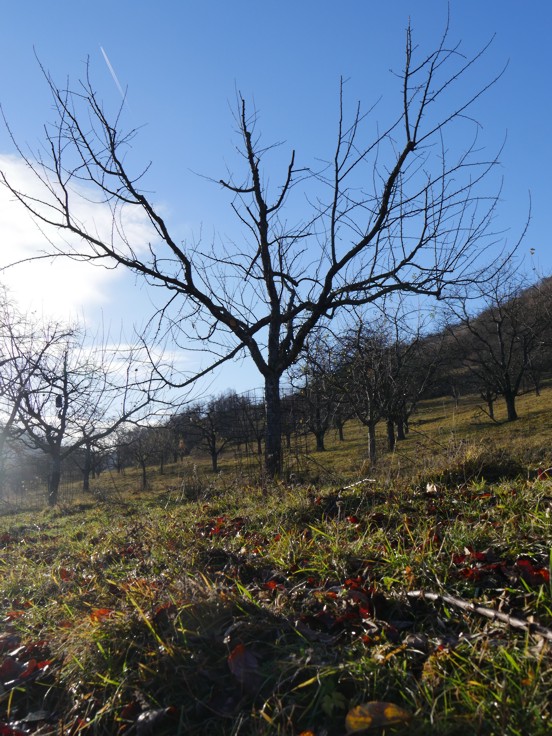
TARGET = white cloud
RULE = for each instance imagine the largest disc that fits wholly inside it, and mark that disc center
(58, 287)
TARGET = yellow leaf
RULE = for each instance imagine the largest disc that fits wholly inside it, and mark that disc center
(375, 715)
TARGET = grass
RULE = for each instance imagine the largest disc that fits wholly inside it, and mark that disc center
(222, 607)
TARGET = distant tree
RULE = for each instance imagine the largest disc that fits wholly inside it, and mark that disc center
(502, 339)
(413, 358)
(361, 375)
(315, 389)
(141, 445)
(74, 396)
(250, 422)
(395, 208)
(213, 425)
(24, 347)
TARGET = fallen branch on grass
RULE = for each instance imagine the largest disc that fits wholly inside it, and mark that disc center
(515, 623)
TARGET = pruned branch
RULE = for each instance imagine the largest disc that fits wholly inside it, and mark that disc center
(516, 623)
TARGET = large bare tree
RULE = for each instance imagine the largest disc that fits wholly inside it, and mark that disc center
(402, 209)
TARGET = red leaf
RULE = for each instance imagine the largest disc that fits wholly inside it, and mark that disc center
(531, 574)
(100, 614)
(10, 669)
(244, 666)
(130, 711)
(28, 669)
(354, 583)
(7, 730)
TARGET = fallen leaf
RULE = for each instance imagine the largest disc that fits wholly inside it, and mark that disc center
(244, 666)
(100, 614)
(375, 715)
(531, 574)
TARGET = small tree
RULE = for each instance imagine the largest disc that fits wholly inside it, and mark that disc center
(316, 389)
(213, 425)
(361, 376)
(141, 446)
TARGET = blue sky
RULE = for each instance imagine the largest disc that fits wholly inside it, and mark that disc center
(182, 63)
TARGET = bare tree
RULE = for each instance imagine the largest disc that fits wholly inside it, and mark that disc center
(74, 396)
(399, 210)
(24, 345)
(316, 389)
(502, 340)
(213, 425)
(361, 376)
(412, 358)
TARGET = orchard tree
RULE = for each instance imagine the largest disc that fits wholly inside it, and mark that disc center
(405, 209)
(362, 376)
(316, 393)
(23, 348)
(214, 425)
(74, 395)
(504, 338)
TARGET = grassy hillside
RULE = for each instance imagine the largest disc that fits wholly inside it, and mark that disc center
(209, 604)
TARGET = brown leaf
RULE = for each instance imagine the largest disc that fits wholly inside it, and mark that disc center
(100, 614)
(375, 715)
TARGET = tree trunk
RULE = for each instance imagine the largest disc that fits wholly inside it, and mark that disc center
(273, 431)
(214, 461)
(391, 435)
(401, 434)
(319, 441)
(86, 470)
(144, 476)
(372, 454)
(510, 399)
(53, 480)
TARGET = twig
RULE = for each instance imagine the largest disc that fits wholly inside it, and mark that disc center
(515, 623)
